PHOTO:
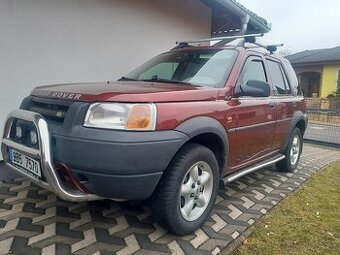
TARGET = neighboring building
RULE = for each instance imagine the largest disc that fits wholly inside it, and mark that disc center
(62, 41)
(318, 71)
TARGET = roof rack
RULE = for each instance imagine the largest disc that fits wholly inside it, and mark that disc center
(223, 38)
(250, 38)
(271, 48)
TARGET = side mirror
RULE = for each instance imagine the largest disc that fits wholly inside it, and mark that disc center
(253, 88)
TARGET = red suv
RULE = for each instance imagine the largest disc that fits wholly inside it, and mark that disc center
(172, 130)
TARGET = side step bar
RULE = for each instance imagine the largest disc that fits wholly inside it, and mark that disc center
(232, 177)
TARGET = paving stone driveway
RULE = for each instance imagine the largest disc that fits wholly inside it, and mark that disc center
(34, 221)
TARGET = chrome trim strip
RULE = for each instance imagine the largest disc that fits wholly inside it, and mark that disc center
(245, 171)
(286, 119)
(247, 98)
(255, 125)
(53, 182)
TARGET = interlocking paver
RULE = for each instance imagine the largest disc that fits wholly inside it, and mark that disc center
(35, 221)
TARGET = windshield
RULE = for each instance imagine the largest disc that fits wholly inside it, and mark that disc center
(208, 68)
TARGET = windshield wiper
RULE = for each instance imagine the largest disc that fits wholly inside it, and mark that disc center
(154, 79)
(168, 81)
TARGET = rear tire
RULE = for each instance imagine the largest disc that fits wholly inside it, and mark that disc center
(292, 152)
(187, 191)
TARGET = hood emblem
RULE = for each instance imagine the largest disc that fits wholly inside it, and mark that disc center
(59, 95)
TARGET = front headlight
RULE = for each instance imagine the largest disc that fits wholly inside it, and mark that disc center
(141, 117)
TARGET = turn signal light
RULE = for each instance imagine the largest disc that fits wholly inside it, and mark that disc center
(140, 117)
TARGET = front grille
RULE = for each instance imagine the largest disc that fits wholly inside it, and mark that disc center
(50, 109)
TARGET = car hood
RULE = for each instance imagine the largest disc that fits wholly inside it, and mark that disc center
(126, 92)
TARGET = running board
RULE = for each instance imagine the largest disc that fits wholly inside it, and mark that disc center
(232, 177)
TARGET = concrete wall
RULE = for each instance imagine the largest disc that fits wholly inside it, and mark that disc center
(57, 41)
(329, 79)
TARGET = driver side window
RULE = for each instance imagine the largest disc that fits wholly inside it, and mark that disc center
(253, 70)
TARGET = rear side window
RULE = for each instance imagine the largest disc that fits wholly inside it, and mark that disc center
(279, 78)
(253, 70)
(296, 88)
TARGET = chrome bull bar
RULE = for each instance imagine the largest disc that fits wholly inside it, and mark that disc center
(53, 182)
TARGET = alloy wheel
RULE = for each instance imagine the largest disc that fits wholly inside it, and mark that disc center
(196, 191)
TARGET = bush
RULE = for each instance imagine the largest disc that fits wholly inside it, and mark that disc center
(335, 94)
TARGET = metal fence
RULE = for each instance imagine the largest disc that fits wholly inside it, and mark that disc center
(324, 120)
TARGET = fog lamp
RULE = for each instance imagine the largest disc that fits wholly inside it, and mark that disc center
(18, 132)
(33, 137)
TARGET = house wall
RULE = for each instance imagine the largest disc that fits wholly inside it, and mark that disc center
(59, 41)
(329, 79)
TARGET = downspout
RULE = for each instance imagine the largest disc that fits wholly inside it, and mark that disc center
(244, 26)
(240, 11)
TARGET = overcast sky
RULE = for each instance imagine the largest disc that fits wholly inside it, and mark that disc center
(300, 25)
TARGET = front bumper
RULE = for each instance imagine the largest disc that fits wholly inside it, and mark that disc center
(53, 181)
(111, 164)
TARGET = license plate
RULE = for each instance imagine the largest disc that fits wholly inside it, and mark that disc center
(25, 163)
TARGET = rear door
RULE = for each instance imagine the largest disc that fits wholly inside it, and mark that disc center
(255, 119)
(284, 100)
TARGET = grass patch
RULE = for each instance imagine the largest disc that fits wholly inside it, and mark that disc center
(307, 222)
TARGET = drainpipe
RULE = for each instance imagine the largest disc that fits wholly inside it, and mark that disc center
(241, 11)
(244, 26)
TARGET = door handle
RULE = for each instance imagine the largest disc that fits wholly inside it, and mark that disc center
(271, 104)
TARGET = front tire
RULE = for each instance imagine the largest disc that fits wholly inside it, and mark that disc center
(292, 152)
(187, 191)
